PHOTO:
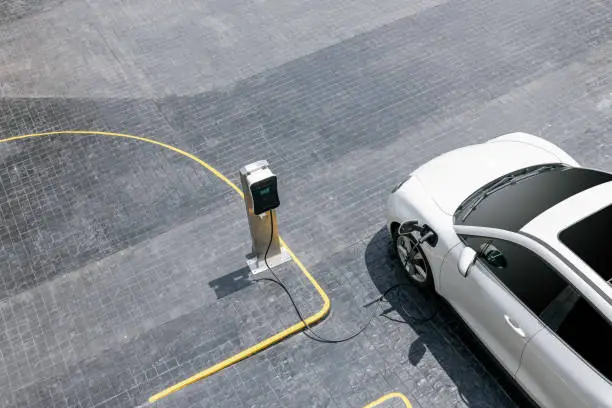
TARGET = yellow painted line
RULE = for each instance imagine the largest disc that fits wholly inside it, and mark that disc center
(318, 316)
(126, 136)
(388, 397)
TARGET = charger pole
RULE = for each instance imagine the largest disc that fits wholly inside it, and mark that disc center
(261, 199)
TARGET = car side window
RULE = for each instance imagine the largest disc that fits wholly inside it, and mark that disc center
(524, 273)
(582, 328)
(589, 334)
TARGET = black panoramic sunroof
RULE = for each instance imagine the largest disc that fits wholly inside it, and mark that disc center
(591, 240)
(512, 207)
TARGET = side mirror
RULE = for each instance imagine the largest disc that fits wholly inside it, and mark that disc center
(466, 259)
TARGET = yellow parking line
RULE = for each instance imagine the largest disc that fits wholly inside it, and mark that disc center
(318, 316)
(388, 397)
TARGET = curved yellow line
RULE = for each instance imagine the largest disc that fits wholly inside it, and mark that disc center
(253, 349)
(388, 397)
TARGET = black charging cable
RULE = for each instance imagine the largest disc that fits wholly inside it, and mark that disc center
(311, 333)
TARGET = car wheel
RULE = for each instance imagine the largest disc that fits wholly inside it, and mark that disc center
(417, 269)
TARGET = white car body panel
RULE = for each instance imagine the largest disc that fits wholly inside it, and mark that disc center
(549, 364)
(525, 138)
(469, 168)
(468, 295)
(535, 356)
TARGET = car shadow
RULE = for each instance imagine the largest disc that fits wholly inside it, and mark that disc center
(438, 329)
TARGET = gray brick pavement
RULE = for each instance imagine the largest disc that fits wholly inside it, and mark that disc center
(123, 266)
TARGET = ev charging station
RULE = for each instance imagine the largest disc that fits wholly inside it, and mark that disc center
(259, 186)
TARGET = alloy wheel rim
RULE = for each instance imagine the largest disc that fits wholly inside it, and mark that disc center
(416, 267)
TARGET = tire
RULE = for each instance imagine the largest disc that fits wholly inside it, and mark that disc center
(418, 271)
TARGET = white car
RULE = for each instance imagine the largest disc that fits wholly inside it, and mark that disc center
(517, 237)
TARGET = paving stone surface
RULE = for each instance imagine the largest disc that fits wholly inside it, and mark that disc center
(123, 262)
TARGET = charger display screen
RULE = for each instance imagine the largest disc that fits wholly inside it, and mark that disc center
(265, 195)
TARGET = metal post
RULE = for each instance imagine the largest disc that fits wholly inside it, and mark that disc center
(260, 227)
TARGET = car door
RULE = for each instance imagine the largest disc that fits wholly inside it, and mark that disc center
(484, 301)
(568, 364)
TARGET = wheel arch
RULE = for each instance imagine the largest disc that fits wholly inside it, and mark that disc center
(411, 202)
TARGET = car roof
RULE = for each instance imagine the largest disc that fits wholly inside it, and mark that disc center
(550, 224)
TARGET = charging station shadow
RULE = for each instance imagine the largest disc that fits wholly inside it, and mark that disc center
(436, 325)
(231, 283)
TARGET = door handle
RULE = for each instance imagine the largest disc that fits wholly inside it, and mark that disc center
(514, 326)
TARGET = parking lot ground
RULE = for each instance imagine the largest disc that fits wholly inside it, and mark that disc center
(123, 260)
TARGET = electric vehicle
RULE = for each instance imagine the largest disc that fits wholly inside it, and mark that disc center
(517, 237)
